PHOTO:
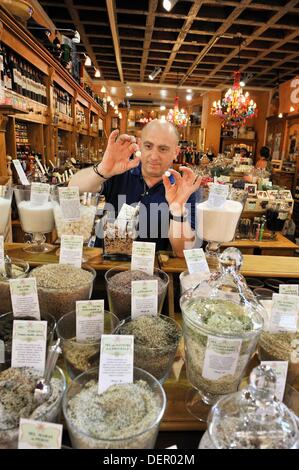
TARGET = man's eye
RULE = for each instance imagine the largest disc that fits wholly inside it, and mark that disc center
(147, 146)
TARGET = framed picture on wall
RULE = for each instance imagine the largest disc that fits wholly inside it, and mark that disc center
(114, 123)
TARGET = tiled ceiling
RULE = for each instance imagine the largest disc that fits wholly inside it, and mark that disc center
(196, 44)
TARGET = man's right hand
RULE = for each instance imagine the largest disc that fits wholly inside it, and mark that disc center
(116, 157)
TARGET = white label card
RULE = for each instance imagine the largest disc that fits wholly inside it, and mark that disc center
(196, 261)
(69, 201)
(143, 257)
(29, 344)
(218, 195)
(39, 435)
(127, 212)
(89, 320)
(116, 361)
(144, 298)
(39, 193)
(2, 352)
(284, 313)
(290, 289)
(21, 172)
(281, 369)
(221, 357)
(71, 250)
(24, 297)
(2, 262)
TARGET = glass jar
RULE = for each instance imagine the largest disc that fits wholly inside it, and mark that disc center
(222, 321)
(252, 418)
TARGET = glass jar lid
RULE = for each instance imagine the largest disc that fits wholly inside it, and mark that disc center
(253, 418)
(223, 304)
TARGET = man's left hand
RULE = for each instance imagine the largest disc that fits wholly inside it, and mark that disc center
(177, 194)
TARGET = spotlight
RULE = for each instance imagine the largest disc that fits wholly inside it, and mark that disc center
(87, 62)
(103, 89)
(162, 107)
(292, 109)
(155, 73)
(97, 73)
(169, 4)
(76, 39)
(242, 83)
(280, 115)
(188, 97)
(189, 90)
(129, 91)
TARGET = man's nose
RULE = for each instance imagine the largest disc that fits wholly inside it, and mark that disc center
(155, 154)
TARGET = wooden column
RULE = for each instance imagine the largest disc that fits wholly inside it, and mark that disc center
(212, 124)
(3, 163)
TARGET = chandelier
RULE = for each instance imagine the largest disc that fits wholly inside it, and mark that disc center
(235, 107)
(177, 116)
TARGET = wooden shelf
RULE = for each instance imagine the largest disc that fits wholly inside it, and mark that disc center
(10, 110)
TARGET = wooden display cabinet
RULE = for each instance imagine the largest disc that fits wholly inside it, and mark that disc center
(229, 144)
(46, 125)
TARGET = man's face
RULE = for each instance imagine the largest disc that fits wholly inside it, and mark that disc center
(158, 150)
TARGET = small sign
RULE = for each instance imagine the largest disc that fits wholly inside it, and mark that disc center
(39, 435)
(39, 193)
(71, 250)
(290, 289)
(218, 195)
(196, 261)
(284, 313)
(89, 320)
(144, 298)
(24, 297)
(2, 262)
(21, 172)
(221, 357)
(116, 361)
(69, 201)
(143, 257)
(29, 344)
(281, 369)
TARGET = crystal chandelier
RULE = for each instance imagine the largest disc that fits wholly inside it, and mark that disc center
(235, 107)
(177, 116)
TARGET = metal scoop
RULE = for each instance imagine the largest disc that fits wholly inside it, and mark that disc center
(42, 389)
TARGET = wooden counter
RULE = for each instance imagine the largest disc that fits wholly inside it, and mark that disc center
(281, 246)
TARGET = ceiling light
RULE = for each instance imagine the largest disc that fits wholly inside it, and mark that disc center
(108, 98)
(87, 62)
(98, 73)
(76, 39)
(169, 4)
(120, 115)
(242, 83)
(162, 107)
(129, 91)
(189, 90)
(163, 93)
(280, 115)
(103, 89)
(155, 73)
(292, 109)
(112, 103)
(188, 97)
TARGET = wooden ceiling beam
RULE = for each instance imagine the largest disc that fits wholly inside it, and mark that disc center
(220, 31)
(114, 31)
(258, 33)
(278, 64)
(182, 35)
(78, 25)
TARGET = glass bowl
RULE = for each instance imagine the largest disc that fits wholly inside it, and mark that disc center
(6, 329)
(48, 411)
(154, 346)
(81, 356)
(84, 437)
(71, 284)
(20, 269)
(119, 289)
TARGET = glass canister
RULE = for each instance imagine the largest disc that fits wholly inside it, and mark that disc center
(252, 418)
(222, 321)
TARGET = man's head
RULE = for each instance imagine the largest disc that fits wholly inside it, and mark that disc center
(159, 147)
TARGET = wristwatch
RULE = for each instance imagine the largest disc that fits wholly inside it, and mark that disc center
(179, 218)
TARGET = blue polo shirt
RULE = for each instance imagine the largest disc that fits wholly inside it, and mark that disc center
(130, 188)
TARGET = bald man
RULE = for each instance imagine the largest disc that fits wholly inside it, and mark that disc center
(166, 198)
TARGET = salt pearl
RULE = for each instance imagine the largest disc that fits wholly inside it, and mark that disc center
(137, 153)
(167, 173)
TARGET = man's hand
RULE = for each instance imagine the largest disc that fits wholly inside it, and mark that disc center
(116, 157)
(177, 194)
